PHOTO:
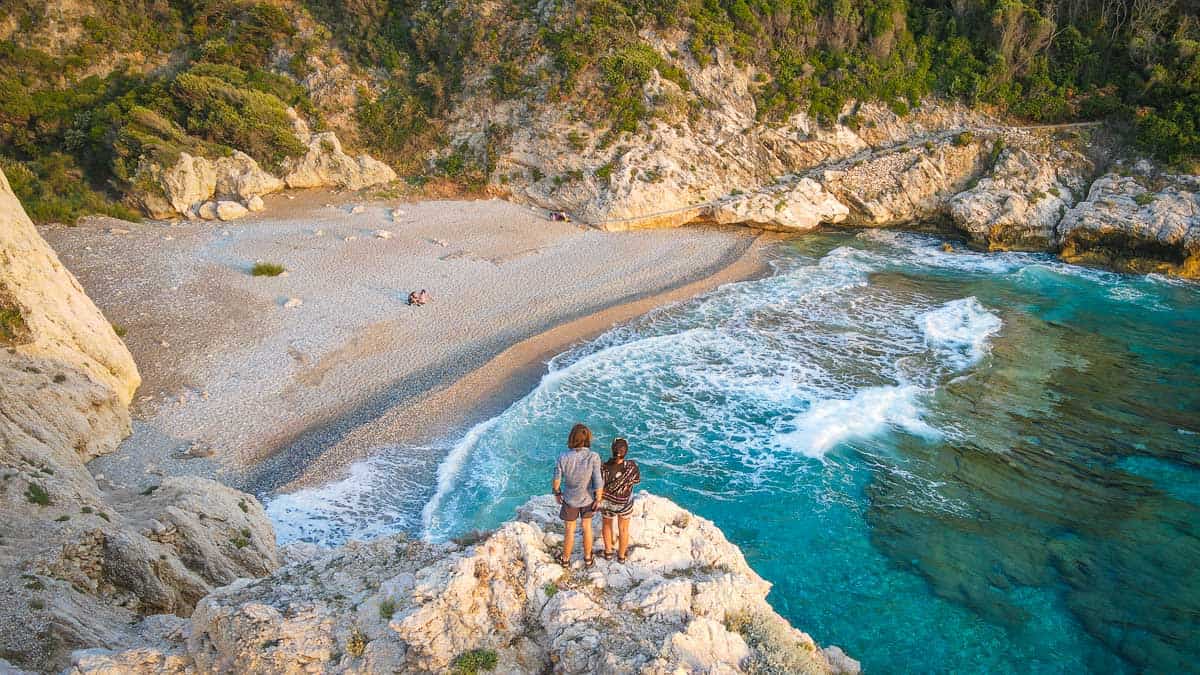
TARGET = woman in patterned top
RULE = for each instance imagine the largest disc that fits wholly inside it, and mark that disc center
(620, 475)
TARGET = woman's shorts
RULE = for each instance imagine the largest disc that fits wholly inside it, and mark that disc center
(614, 510)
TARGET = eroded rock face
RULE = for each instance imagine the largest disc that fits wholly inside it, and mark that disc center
(686, 599)
(1018, 205)
(325, 164)
(78, 565)
(799, 207)
(1136, 222)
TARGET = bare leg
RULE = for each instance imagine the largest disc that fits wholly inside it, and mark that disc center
(606, 531)
(587, 537)
(568, 540)
(623, 526)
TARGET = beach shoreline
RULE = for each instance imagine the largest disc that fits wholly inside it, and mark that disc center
(265, 383)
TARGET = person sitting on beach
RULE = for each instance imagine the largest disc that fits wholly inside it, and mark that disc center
(418, 297)
(620, 475)
(579, 487)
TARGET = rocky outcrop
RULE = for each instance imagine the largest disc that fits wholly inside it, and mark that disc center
(1139, 223)
(686, 601)
(231, 187)
(325, 164)
(1018, 205)
(77, 565)
(184, 187)
(909, 185)
(798, 207)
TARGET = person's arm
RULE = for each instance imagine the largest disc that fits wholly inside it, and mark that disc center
(637, 474)
(597, 479)
(556, 484)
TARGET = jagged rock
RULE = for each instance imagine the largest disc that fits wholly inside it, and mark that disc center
(800, 207)
(686, 601)
(227, 210)
(1135, 224)
(77, 565)
(1019, 204)
(326, 165)
(906, 186)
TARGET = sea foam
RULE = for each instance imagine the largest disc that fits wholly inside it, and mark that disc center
(831, 422)
(959, 331)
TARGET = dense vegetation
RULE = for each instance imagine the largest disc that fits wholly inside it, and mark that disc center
(1136, 62)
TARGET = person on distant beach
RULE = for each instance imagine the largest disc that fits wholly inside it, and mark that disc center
(620, 475)
(579, 487)
(418, 297)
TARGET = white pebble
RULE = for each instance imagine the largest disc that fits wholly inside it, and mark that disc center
(293, 302)
(383, 234)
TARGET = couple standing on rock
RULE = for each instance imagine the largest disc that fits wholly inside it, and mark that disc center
(583, 485)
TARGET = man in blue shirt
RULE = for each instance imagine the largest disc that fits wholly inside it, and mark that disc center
(579, 487)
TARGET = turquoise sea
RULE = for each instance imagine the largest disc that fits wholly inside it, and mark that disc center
(945, 462)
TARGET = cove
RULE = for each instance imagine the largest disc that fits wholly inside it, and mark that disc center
(944, 461)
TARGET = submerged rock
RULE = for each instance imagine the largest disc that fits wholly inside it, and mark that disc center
(685, 600)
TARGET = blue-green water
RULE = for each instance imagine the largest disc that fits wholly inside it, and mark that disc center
(944, 461)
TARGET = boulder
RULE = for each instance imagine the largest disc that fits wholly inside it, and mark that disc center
(1136, 223)
(1018, 205)
(192, 181)
(686, 601)
(326, 165)
(230, 210)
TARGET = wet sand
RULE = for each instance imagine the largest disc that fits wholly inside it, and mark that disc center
(267, 382)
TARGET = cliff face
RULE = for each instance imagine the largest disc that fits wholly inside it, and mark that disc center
(686, 601)
(78, 564)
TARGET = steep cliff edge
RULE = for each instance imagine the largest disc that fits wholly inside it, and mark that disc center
(686, 601)
(77, 564)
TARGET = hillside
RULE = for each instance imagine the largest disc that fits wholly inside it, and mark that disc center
(94, 96)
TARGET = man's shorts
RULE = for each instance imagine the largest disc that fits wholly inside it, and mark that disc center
(572, 513)
(614, 510)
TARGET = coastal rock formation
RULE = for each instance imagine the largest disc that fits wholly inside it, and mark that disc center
(78, 565)
(325, 164)
(227, 188)
(1136, 222)
(910, 185)
(799, 207)
(685, 601)
(1018, 205)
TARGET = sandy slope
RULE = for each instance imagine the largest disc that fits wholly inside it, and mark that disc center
(269, 394)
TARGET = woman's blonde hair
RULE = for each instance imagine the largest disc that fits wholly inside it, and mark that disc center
(580, 437)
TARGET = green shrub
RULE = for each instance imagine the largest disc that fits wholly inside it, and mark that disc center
(36, 494)
(475, 661)
(387, 608)
(356, 644)
(963, 139)
(1143, 198)
(263, 269)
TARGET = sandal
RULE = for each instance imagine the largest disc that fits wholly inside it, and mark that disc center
(622, 558)
(588, 561)
(608, 555)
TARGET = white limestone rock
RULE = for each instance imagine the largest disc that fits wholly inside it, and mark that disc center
(325, 164)
(799, 206)
(1018, 205)
(686, 601)
(230, 210)
(1133, 223)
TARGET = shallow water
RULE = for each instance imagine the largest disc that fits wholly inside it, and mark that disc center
(945, 462)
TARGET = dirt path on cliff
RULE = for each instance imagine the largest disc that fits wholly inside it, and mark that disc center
(267, 381)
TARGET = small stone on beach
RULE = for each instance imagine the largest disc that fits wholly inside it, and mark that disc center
(383, 234)
(357, 210)
(293, 302)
